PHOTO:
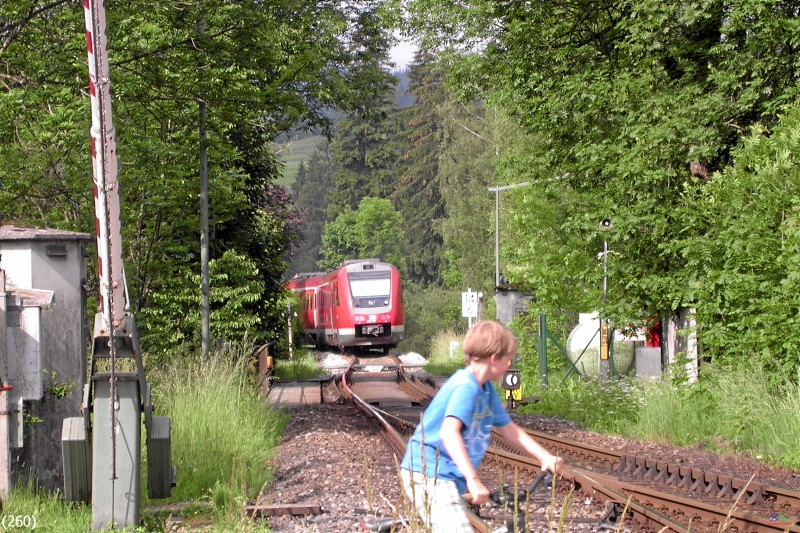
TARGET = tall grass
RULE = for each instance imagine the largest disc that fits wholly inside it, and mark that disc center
(49, 511)
(223, 435)
(222, 431)
(446, 354)
(601, 406)
(733, 410)
(302, 366)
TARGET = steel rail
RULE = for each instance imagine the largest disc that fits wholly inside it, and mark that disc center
(693, 479)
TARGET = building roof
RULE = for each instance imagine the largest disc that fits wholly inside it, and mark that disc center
(9, 232)
(33, 297)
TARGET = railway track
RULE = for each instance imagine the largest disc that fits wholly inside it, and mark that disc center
(653, 494)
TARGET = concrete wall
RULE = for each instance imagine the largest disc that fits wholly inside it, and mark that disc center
(43, 259)
(682, 348)
(5, 448)
(511, 303)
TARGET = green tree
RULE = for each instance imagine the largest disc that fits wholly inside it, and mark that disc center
(466, 169)
(174, 318)
(417, 195)
(362, 158)
(639, 102)
(311, 189)
(373, 231)
(743, 270)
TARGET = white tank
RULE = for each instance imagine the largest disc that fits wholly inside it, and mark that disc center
(583, 347)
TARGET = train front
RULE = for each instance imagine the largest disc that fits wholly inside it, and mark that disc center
(376, 305)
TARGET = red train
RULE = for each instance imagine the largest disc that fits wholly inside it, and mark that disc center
(357, 305)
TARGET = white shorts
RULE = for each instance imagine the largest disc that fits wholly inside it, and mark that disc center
(438, 503)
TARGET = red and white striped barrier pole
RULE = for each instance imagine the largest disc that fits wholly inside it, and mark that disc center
(104, 166)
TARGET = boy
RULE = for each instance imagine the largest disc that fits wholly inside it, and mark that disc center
(443, 455)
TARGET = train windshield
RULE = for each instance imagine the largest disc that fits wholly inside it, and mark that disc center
(374, 284)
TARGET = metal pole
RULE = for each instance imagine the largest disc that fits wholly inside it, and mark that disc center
(496, 191)
(543, 349)
(603, 363)
(289, 323)
(497, 238)
(605, 273)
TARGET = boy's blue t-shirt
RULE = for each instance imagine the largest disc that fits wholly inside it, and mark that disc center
(478, 408)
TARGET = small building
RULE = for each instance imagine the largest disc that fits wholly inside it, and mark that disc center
(511, 303)
(43, 349)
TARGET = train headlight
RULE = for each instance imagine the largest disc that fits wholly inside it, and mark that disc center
(386, 302)
(370, 302)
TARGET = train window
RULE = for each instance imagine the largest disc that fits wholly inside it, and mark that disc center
(371, 284)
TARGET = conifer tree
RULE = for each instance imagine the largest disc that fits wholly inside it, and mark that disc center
(417, 195)
(362, 156)
(311, 190)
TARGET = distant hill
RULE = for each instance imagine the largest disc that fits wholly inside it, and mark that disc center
(401, 95)
(298, 146)
(294, 151)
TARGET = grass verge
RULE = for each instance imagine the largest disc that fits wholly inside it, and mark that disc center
(223, 436)
(446, 354)
(302, 366)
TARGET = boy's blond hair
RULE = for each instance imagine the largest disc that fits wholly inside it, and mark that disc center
(487, 338)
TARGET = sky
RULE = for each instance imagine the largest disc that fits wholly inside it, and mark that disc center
(402, 54)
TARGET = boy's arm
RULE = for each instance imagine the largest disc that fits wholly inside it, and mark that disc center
(450, 435)
(520, 439)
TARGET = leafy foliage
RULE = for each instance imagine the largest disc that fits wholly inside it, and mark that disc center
(637, 105)
(362, 158)
(417, 195)
(259, 69)
(174, 317)
(371, 232)
(430, 310)
(468, 229)
(311, 191)
(743, 270)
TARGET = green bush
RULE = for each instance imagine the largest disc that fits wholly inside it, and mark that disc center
(729, 409)
(428, 311)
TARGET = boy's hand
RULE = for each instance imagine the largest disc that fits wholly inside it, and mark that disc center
(478, 492)
(554, 464)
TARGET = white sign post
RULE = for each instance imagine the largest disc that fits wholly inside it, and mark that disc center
(469, 306)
